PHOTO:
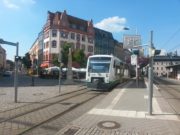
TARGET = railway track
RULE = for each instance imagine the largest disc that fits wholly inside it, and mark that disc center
(38, 105)
(174, 92)
(171, 92)
(34, 115)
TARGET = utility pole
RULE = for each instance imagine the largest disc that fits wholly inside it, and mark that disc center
(16, 73)
(16, 66)
(137, 73)
(150, 75)
(59, 59)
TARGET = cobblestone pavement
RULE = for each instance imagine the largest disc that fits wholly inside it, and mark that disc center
(30, 113)
(54, 126)
(28, 95)
(124, 112)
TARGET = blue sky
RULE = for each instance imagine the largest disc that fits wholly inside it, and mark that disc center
(22, 20)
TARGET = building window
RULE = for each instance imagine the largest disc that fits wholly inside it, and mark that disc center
(161, 63)
(161, 68)
(83, 47)
(157, 68)
(78, 37)
(82, 28)
(54, 44)
(90, 40)
(73, 26)
(72, 36)
(64, 34)
(54, 33)
(83, 38)
(90, 48)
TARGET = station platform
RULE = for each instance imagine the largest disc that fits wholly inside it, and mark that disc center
(124, 111)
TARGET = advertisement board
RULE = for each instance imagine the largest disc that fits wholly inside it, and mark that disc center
(131, 41)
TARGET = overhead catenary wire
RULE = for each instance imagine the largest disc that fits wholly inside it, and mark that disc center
(173, 48)
(171, 37)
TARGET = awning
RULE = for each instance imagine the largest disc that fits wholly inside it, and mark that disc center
(44, 65)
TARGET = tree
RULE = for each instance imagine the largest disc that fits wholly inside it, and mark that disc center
(27, 61)
(55, 60)
(79, 57)
(65, 52)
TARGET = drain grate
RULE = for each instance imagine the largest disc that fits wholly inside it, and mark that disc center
(71, 131)
(108, 125)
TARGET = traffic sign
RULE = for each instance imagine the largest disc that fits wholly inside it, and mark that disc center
(133, 59)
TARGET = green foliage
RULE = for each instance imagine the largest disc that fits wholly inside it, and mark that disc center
(27, 61)
(55, 60)
(65, 52)
(79, 57)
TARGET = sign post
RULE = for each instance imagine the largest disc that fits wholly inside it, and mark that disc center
(59, 60)
(16, 66)
(133, 59)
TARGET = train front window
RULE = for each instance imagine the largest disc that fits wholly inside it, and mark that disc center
(99, 65)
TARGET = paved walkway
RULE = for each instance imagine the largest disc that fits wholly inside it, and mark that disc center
(27, 95)
(124, 112)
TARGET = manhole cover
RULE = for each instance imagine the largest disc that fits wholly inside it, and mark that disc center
(38, 94)
(108, 125)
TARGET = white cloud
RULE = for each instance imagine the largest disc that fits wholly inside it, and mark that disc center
(10, 4)
(14, 4)
(112, 24)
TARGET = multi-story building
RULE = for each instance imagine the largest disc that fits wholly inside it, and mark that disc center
(104, 42)
(62, 28)
(161, 62)
(34, 53)
(2, 59)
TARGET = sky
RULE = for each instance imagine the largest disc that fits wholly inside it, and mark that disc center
(22, 20)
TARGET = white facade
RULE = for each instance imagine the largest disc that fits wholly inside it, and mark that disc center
(59, 40)
(159, 67)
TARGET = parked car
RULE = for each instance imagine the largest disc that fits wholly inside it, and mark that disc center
(7, 73)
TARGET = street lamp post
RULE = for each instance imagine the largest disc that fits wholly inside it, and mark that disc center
(137, 71)
(152, 52)
(150, 74)
(59, 60)
(16, 66)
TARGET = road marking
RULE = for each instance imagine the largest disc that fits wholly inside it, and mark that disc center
(116, 99)
(133, 114)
